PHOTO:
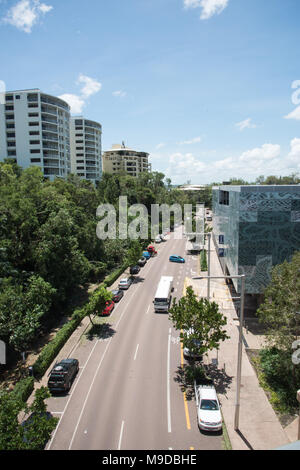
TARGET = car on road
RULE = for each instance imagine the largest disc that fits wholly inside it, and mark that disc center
(125, 283)
(187, 353)
(146, 254)
(142, 261)
(109, 306)
(62, 375)
(117, 295)
(176, 259)
(135, 269)
(208, 408)
(157, 239)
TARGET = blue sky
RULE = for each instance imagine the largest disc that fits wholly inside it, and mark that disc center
(210, 88)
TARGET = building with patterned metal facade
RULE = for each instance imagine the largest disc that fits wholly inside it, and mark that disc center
(254, 229)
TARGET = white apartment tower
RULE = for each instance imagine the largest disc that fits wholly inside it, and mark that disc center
(35, 130)
(86, 148)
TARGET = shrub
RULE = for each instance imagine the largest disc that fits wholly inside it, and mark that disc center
(23, 389)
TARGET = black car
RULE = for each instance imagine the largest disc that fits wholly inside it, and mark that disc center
(142, 261)
(135, 269)
(117, 295)
(62, 375)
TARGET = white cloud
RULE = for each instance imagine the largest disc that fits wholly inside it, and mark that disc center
(261, 154)
(209, 7)
(90, 87)
(119, 93)
(26, 13)
(160, 145)
(185, 164)
(294, 155)
(76, 103)
(246, 124)
(189, 142)
(294, 114)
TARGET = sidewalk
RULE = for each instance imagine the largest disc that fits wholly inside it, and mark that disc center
(259, 427)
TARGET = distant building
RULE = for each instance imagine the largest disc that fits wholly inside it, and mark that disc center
(35, 130)
(191, 187)
(254, 229)
(123, 159)
(86, 148)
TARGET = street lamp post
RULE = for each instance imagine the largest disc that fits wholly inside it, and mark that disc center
(240, 343)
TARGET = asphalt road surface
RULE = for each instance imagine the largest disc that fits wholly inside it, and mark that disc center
(128, 394)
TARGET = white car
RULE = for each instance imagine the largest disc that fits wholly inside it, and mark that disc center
(208, 408)
(187, 354)
(157, 239)
(125, 283)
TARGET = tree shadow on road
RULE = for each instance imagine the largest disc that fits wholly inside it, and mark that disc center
(100, 331)
(206, 374)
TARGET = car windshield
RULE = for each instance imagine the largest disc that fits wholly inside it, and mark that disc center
(209, 405)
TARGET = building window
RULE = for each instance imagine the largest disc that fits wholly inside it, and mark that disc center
(33, 114)
(11, 135)
(34, 133)
(34, 142)
(35, 160)
(224, 198)
(31, 124)
(35, 151)
(9, 107)
(18, 97)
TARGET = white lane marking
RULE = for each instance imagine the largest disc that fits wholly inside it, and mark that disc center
(148, 309)
(136, 351)
(121, 435)
(168, 383)
(73, 390)
(92, 383)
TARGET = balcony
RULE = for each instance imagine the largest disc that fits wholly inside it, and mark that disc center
(46, 118)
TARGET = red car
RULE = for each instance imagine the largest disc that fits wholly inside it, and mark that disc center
(109, 308)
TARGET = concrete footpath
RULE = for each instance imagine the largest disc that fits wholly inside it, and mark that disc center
(259, 427)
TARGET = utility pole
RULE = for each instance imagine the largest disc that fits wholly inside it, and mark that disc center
(240, 343)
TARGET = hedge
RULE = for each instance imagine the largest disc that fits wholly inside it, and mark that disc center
(23, 389)
(50, 351)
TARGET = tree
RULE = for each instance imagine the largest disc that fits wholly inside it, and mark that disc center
(36, 427)
(280, 309)
(97, 302)
(200, 322)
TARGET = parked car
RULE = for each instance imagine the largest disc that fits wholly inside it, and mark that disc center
(146, 255)
(158, 239)
(208, 408)
(135, 269)
(125, 283)
(110, 305)
(62, 375)
(176, 259)
(142, 261)
(117, 295)
(190, 354)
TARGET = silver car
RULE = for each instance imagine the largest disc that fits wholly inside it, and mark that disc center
(125, 283)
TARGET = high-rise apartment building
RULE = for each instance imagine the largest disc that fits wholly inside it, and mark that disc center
(86, 148)
(35, 130)
(123, 159)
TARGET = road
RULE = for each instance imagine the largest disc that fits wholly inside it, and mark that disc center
(127, 394)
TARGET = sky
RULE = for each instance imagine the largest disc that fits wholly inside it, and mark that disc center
(209, 88)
